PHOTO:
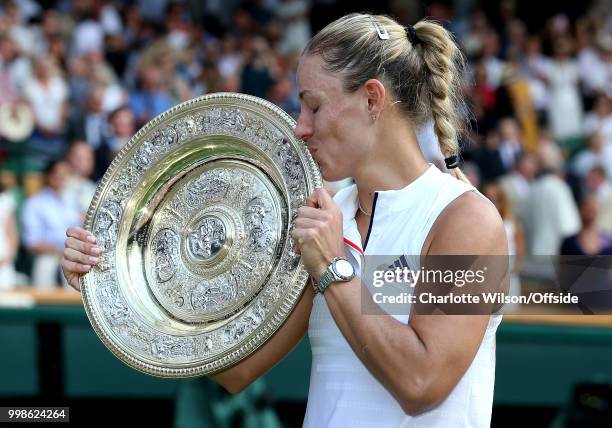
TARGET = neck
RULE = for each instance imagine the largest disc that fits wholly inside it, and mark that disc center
(589, 228)
(396, 162)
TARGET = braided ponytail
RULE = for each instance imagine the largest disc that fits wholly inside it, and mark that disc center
(443, 66)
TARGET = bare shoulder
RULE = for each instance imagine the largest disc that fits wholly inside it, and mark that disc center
(468, 225)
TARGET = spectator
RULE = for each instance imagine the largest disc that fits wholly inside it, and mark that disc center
(590, 240)
(514, 232)
(79, 83)
(230, 60)
(46, 216)
(510, 145)
(551, 213)
(489, 158)
(590, 157)
(88, 33)
(484, 99)
(473, 41)
(493, 65)
(121, 128)
(281, 94)
(47, 94)
(90, 124)
(8, 89)
(258, 72)
(599, 120)
(595, 60)
(293, 15)
(151, 99)
(16, 66)
(102, 75)
(79, 186)
(9, 241)
(517, 184)
(597, 184)
(565, 105)
(535, 68)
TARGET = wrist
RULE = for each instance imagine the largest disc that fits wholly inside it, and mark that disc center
(316, 276)
(338, 270)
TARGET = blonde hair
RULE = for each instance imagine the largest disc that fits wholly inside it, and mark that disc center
(424, 78)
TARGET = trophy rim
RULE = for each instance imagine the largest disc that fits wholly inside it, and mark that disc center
(273, 321)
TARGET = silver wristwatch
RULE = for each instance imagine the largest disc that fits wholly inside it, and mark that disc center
(339, 270)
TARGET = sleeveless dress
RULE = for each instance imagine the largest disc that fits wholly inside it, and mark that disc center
(342, 391)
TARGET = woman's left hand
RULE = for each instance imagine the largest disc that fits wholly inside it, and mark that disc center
(318, 232)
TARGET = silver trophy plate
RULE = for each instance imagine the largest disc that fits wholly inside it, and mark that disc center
(194, 217)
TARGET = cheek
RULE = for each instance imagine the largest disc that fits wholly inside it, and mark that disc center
(345, 130)
(342, 141)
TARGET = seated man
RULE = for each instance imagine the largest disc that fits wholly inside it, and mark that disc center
(45, 217)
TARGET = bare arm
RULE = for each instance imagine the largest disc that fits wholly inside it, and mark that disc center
(80, 247)
(10, 227)
(43, 248)
(282, 342)
(420, 363)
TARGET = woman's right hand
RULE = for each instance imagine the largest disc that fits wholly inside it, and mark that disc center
(80, 254)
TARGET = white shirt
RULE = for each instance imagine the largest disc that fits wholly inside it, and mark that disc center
(342, 392)
(47, 100)
(551, 215)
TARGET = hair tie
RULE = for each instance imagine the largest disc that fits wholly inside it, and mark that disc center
(412, 35)
(452, 162)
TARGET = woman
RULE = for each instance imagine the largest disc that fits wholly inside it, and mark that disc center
(514, 231)
(590, 240)
(583, 271)
(565, 109)
(365, 84)
(9, 240)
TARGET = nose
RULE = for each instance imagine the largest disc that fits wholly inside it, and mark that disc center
(303, 129)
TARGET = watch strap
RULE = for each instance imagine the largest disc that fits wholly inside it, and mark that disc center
(326, 280)
(329, 277)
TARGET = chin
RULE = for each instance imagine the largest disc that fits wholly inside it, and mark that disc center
(327, 176)
(331, 172)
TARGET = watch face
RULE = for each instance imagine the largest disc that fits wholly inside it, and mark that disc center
(343, 268)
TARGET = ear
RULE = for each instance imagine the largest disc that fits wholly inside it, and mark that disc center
(376, 96)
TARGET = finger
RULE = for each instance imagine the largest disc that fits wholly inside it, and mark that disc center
(302, 235)
(310, 201)
(74, 267)
(306, 223)
(83, 247)
(312, 213)
(77, 256)
(80, 234)
(323, 198)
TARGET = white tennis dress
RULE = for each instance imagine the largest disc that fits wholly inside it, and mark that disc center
(343, 393)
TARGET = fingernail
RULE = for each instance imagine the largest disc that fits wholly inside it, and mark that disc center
(95, 250)
(91, 238)
(94, 260)
(86, 267)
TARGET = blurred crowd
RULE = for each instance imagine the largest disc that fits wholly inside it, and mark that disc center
(79, 77)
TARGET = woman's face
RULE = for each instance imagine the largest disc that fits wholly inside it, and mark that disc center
(589, 210)
(334, 124)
